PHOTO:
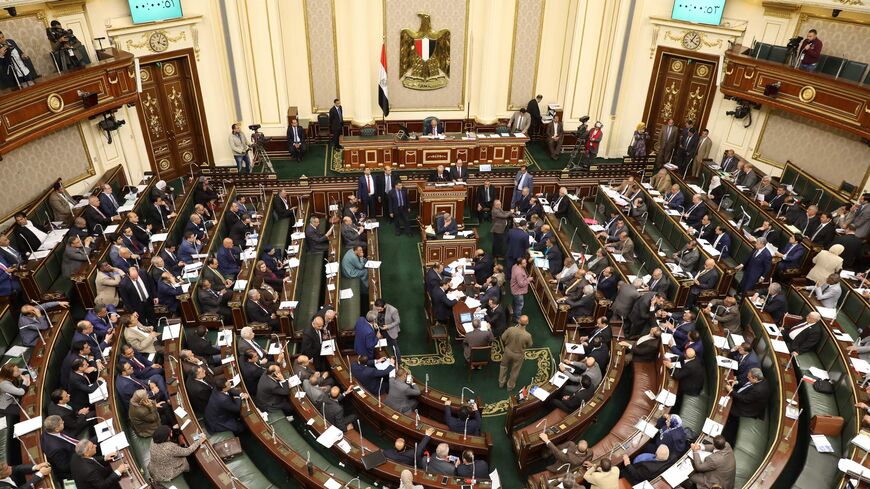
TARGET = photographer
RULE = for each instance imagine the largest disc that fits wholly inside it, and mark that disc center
(811, 50)
(66, 49)
(240, 146)
(15, 64)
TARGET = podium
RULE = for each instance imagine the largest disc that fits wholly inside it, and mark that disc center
(435, 200)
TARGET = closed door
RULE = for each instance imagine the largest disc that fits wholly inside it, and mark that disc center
(681, 88)
(172, 117)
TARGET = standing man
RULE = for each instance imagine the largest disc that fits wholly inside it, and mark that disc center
(517, 245)
(367, 192)
(703, 153)
(757, 266)
(811, 50)
(239, 145)
(398, 208)
(523, 180)
(680, 153)
(520, 121)
(336, 123)
(534, 110)
(388, 322)
(385, 183)
(667, 143)
(555, 134)
(296, 140)
(485, 198)
(516, 340)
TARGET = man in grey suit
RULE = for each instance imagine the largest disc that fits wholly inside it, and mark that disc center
(75, 254)
(727, 313)
(667, 143)
(625, 298)
(388, 322)
(658, 282)
(352, 236)
(403, 393)
(475, 338)
(719, 468)
(704, 146)
(862, 217)
(828, 293)
(688, 257)
(706, 279)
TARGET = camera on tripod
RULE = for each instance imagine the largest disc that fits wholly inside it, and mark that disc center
(258, 139)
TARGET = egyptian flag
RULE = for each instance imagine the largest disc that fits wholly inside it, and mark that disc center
(383, 101)
(425, 47)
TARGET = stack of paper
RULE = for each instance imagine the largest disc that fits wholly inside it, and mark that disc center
(297, 236)
(666, 397)
(330, 436)
(541, 394)
(822, 444)
(712, 428)
(725, 362)
(647, 429)
(114, 443)
(288, 304)
(373, 264)
(558, 379)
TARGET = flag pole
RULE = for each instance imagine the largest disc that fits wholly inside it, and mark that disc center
(470, 71)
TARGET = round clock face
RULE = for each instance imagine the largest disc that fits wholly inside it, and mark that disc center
(158, 42)
(692, 40)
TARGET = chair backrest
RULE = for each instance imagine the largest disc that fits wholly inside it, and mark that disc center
(428, 120)
(481, 354)
(867, 79)
(777, 54)
(832, 65)
(323, 120)
(853, 70)
(763, 50)
(501, 129)
(368, 131)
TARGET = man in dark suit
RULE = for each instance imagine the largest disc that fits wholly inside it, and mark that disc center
(459, 173)
(433, 128)
(534, 110)
(57, 446)
(695, 212)
(486, 195)
(746, 360)
(442, 306)
(691, 142)
(434, 276)
(791, 254)
(283, 208)
(825, 232)
(690, 375)
(170, 258)
(97, 220)
(367, 192)
(747, 177)
(608, 283)
(315, 240)
(138, 294)
(721, 241)
(238, 233)
(775, 303)
(371, 378)
(296, 140)
(472, 468)
(212, 302)
(706, 231)
(28, 234)
(336, 123)
(496, 317)
(251, 370)
(483, 266)
(750, 400)
(674, 198)
(642, 316)
(74, 420)
(366, 334)
(467, 422)
(90, 470)
(399, 208)
(804, 337)
(440, 175)
(553, 255)
(851, 244)
(756, 267)
(570, 402)
(273, 392)
(706, 279)
(15, 476)
(657, 282)
(223, 408)
(729, 162)
(108, 203)
(517, 245)
(200, 345)
(229, 258)
(256, 313)
(581, 301)
(80, 386)
(198, 390)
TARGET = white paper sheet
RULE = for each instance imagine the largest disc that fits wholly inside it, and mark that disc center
(330, 437)
(345, 294)
(327, 348)
(541, 394)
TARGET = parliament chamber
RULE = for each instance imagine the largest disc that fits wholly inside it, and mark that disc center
(476, 243)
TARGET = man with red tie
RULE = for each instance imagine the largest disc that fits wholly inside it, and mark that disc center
(367, 192)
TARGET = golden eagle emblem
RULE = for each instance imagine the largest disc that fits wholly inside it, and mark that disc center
(424, 56)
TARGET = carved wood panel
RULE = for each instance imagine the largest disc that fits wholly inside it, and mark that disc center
(171, 117)
(681, 88)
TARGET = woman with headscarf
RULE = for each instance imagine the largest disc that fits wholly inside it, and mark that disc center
(273, 261)
(637, 148)
(159, 191)
(827, 263)
(640, 471)
(716, 190)
(203, 193)
(144, 417)
(169, 459)
(406, 480)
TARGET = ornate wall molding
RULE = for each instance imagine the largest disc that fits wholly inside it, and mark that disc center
(143, 40)
(702, 38)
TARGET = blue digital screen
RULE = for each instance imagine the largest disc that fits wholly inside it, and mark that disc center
(154, 10)
(698, 11)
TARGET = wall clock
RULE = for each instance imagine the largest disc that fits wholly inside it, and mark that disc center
(158, 42)
(692, 40)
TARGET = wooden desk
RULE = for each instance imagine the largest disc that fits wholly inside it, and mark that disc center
(437, 200)
(377, 151)
(447, 250)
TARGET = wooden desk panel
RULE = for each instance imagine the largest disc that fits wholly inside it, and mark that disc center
(377, 151)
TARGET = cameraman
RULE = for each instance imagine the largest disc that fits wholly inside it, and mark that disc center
(240, 146)
(15, 64)
(811, 49)
(66, 48)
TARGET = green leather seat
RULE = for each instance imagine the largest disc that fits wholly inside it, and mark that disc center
(349, 309)
(141, 448)
(308, 291)
(241, 465)
(285, 431)
(751, 447)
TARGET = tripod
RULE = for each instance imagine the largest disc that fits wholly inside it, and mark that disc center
(262, 158)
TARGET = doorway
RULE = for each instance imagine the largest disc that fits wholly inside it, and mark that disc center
(173, 115)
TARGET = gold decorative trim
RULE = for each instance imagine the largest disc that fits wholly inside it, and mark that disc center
(807, 94)
(465, 49)
(678, 37)
(314, 108)
(253, 74)
(55, 102)
(146, 38)
(779, 10)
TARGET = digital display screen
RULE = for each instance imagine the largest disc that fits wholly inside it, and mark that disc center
(698, 11)
(144, 11)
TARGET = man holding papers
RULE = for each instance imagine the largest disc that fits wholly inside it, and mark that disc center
(717, 469)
